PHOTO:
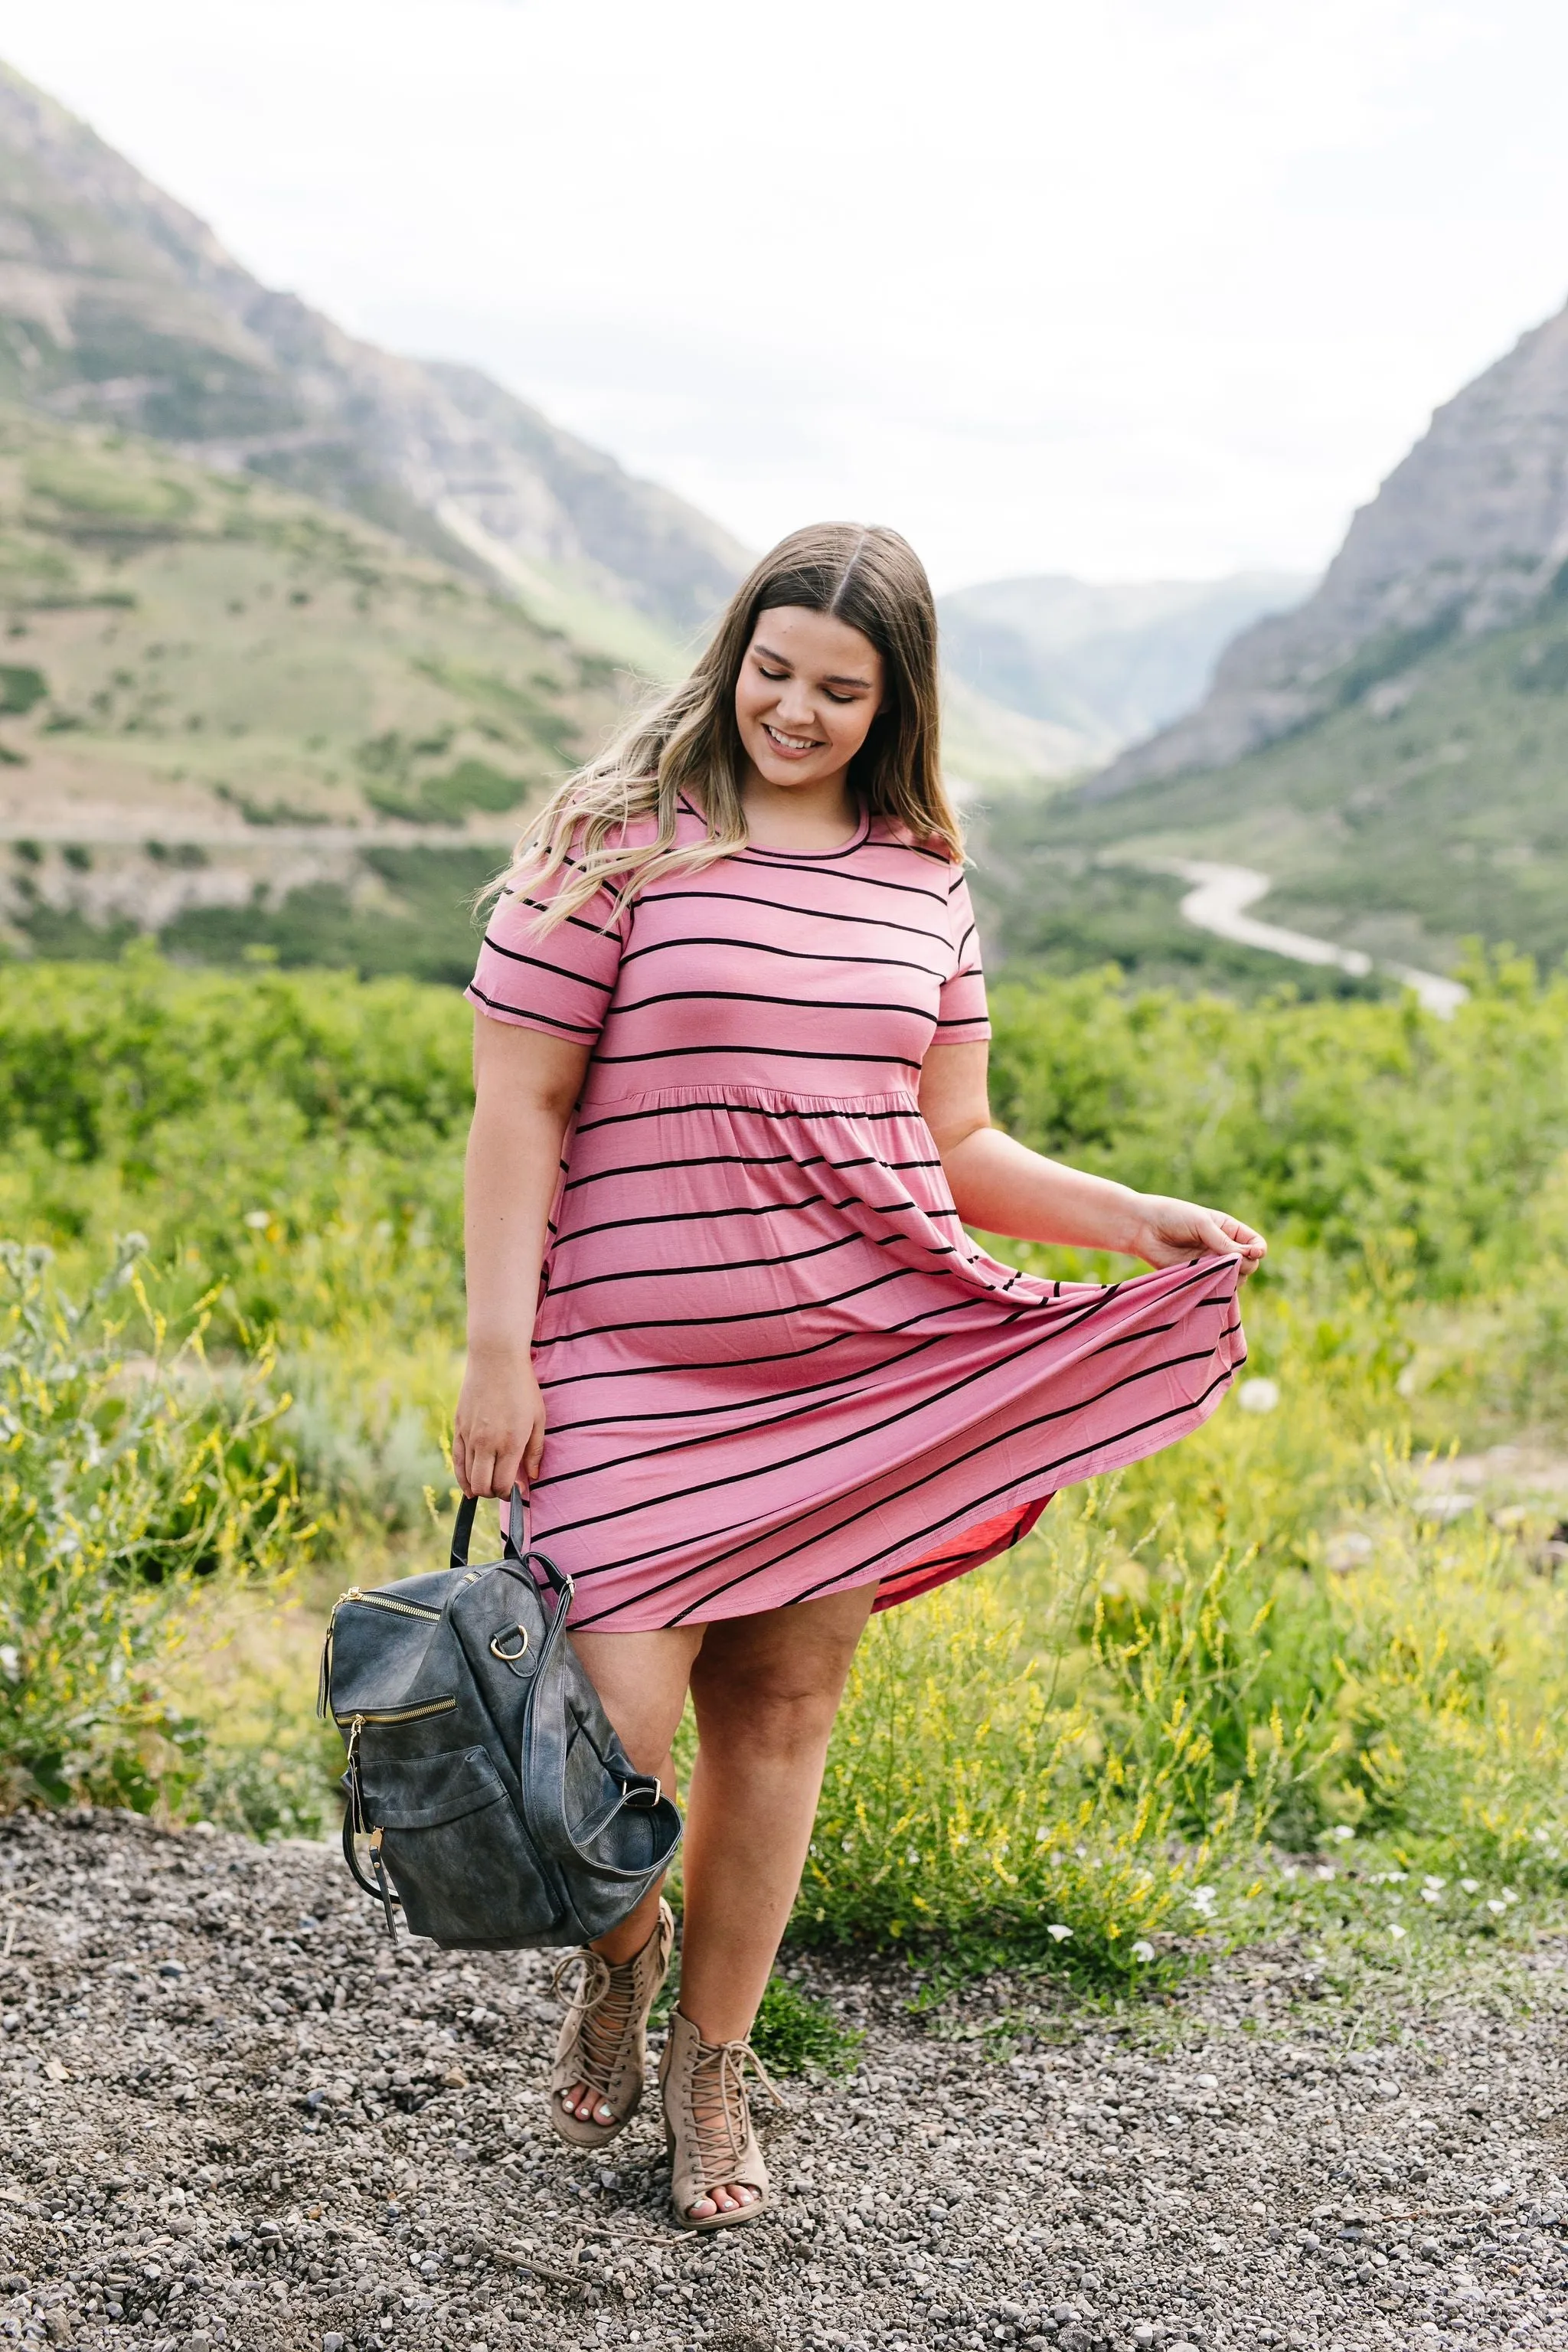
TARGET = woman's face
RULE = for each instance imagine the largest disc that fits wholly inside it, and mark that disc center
(809, 687)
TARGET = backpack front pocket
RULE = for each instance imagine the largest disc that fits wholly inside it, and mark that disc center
(456, 1851)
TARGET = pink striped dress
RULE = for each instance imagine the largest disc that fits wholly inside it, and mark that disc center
(775, 1364)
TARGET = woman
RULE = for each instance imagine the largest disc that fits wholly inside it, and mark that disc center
(725, 1322)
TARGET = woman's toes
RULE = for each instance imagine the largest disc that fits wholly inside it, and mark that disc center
(607, 2113)
(700, 2211)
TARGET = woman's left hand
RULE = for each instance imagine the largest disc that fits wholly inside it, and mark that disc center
(1171, 1231)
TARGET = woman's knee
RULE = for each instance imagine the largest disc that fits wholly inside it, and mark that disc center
(766, 1715)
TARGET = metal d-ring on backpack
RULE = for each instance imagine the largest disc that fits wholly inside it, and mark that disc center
(497, 1804)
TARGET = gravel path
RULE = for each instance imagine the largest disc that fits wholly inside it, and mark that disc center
(230, 2114)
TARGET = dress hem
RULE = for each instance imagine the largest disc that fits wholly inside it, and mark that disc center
(1018, 1504)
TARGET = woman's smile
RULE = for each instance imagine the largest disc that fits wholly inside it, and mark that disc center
(793, 747)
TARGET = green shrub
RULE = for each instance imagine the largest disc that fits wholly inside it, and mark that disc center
(1182, 1676)
(796, 2035)
(128, 1477)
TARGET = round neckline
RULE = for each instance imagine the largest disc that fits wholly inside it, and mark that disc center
(755, 848)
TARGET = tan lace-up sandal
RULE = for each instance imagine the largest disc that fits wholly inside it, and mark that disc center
(602, 2040)
(708, 2125)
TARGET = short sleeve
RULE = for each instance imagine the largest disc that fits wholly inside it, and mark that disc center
(962, 1018)
(560, 980)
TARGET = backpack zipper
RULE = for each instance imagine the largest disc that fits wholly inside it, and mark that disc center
(367, 1600)
(396, 1714)
(380, 1600)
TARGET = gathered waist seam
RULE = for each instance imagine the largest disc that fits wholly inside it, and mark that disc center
(899, 1099)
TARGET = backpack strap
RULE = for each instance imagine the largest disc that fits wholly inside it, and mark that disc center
(463, 1528)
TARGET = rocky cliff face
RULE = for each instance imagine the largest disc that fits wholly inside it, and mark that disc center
(117, 305)
(1463, 538)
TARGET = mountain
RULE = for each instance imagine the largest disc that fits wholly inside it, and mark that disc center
(1092, 666)
(1394, 754)
(242, 721)
(1463, 538)
(119, 306)
(1426, 808)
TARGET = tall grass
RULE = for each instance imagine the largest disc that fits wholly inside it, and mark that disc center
(1171, 1709)
(129, 1476)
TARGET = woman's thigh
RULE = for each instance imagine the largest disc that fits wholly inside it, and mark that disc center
(641, 1679)
(790, 1660)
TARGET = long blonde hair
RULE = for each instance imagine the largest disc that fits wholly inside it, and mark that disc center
(688, 741)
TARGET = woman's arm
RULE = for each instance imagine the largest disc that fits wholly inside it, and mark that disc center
(525, 1086)
(1004, 1188)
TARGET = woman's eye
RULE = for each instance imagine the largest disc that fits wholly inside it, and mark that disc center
(837, 698)
(773, 673)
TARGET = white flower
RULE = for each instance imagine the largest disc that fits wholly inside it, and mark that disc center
(1202, 1899)
(1058, 1932)
(1142, 1950)
(1258, 1396)
(1436, 1884)
(1509, 1895)
(1395, 1929)
(1495, 1906)
(1471, 1885)
(1040, 1836)
(1431, 1895)
(1342, 1832)
(258, 1219)
(10, 1660)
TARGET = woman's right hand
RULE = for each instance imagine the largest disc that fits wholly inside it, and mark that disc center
(498, 1437)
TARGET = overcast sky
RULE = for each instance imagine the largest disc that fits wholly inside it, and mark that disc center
(1140, 289)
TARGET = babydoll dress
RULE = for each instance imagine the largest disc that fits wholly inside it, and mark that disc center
(774, 1363)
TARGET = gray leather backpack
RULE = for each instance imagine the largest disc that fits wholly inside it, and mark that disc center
(494, 1800)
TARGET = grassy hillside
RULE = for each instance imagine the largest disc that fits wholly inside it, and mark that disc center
(1428, 805)
(119, 306)
(234, 718)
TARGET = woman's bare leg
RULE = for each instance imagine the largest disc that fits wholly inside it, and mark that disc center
(641, 1679)
(766, 1690)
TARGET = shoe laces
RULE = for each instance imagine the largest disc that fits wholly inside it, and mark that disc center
(603, 2008)
(719, 2112)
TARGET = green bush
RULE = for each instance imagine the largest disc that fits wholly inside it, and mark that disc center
(1093, 1754)
(128, 1477)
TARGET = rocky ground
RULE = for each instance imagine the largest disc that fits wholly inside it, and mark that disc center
(230, 2113)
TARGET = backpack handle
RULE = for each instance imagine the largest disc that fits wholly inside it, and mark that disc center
(515, 1546)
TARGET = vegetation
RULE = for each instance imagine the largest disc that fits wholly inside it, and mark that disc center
(195, 662)
(128, 1474)
(1300, 1670)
